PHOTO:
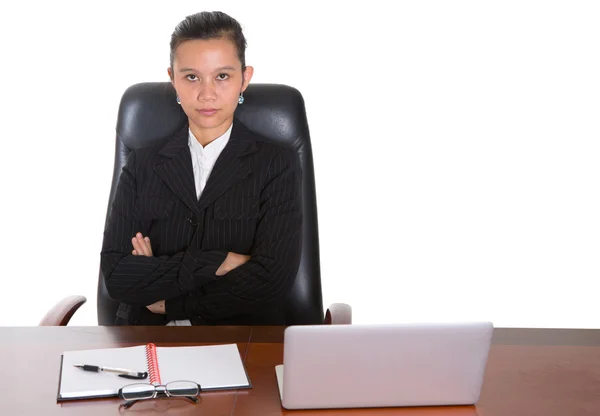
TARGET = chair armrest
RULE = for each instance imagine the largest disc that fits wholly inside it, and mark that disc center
(338, 314)
(61, 313)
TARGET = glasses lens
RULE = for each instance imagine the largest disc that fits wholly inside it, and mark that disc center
(183, 388)
(137, 391)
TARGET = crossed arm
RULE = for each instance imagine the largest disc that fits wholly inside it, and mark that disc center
(210, 284)
(143, 247)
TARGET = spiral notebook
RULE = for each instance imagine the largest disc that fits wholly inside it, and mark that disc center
(213, 367)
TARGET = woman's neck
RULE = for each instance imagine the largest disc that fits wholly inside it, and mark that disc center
(205, 136)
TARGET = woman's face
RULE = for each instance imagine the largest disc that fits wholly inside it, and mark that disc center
(208, 78)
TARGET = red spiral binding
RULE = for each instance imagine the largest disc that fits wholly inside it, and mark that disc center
(152, 360)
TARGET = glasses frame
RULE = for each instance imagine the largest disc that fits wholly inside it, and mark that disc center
(160, 390)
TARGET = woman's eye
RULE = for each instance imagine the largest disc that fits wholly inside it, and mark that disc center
(222, 77)
(192, 77)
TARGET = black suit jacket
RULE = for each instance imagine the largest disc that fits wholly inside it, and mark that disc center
(250, 205)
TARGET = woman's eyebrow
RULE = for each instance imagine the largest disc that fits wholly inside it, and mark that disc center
(223, 68)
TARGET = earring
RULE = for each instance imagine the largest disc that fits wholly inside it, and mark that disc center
(178, 100)
(241, 99)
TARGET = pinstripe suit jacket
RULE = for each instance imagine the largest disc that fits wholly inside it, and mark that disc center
(251, 205)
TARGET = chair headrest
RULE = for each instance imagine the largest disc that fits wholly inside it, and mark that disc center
(149, 114)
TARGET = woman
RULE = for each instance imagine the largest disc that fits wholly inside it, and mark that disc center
(205, 229)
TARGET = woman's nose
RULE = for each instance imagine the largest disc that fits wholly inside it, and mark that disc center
(208, 91)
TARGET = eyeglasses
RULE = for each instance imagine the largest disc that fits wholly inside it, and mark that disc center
(132, 393)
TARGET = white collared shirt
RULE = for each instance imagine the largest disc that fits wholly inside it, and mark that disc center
(204, 157)
(203, 161)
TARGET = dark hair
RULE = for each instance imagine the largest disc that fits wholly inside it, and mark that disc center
(209, 25)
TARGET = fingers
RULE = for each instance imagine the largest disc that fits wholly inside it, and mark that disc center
(141, 246)
(148, 246)
(222, 270)
(232, 261)
(237, 260)
(136, 247)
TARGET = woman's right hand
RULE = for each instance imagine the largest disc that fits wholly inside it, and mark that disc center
(141, 246)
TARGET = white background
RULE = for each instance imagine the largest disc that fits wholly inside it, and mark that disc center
(456, 148)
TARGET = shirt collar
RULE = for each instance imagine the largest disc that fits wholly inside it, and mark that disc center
(214, 148)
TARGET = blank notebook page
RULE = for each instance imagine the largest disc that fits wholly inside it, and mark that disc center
(211, 366)
(78, 383)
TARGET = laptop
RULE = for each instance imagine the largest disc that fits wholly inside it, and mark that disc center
(384, 365)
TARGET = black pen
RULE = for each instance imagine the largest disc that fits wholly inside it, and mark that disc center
(123, 372)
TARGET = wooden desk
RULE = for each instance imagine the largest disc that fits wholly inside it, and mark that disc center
(530, 372)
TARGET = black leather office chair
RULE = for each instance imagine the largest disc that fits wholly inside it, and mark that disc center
(149, 114)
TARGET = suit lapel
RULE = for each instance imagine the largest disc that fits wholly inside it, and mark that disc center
(231, 165)
(176, 171)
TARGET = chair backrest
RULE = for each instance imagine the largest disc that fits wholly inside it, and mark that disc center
(149, 115)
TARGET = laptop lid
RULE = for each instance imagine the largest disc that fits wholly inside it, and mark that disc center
(347, 366)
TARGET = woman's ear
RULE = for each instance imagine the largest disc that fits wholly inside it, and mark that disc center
(170, 72)
(248, 72)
